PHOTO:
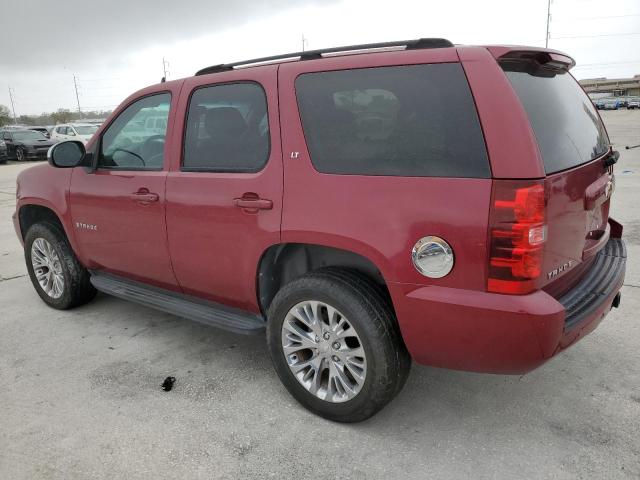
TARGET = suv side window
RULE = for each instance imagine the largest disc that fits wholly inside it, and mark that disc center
(61, 130)
(129, 144)
(414, 121)
(227, 129)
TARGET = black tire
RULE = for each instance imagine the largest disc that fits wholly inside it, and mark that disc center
(369, 312)
(77, 288)
(19, 154)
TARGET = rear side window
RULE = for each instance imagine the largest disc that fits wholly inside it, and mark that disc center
(414, 121)
(566, 124)
(227, 129)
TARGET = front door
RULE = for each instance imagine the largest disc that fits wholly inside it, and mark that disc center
(118, 211)
(224, 198)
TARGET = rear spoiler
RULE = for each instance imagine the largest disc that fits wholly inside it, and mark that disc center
(543, 59)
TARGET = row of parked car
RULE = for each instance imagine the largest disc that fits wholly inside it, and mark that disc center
(19, 142)
(616, 103)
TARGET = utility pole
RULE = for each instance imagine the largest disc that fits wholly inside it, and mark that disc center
(165, 64)
(546, 39)
(304, 42)
(75, 84)
(13, 107)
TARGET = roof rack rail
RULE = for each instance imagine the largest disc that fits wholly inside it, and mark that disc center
(416, 44)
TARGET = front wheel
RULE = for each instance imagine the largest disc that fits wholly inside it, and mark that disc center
(57, 275)
(336, 346)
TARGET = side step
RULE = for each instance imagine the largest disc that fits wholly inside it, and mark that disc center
(192, 308)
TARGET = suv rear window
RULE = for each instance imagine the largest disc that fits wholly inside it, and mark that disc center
(415, 121)
(566, 124)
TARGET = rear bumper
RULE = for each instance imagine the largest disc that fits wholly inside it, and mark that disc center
(513, 334)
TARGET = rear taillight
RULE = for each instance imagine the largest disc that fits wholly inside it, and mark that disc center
(517, 233)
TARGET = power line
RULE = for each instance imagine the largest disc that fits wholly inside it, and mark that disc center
(609, 63)
(607, 16)
(594, 36)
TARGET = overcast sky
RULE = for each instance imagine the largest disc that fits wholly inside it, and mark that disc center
(115, 47)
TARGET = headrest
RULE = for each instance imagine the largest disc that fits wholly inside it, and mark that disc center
(224, 121)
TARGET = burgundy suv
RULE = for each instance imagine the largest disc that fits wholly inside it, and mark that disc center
(364, 205)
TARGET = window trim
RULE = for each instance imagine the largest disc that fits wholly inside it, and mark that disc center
(394, 65)
(97, 165)
(224, 170)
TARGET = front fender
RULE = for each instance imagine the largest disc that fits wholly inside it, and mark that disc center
(48, 187)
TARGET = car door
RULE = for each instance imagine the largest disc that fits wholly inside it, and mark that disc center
(71, 134)
(224, 190)
(118, 210)
(59, 133)
(8, 139)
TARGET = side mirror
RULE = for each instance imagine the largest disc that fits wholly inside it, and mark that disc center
(66, 154)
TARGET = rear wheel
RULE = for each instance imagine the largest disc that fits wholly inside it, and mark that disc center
(19, 154)
(55, 272)
(336, 346)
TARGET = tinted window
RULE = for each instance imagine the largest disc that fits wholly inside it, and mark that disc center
(565, 122)
(131, 142)
(227, 129)
(61, 130)
(30, 135)
(404, 121)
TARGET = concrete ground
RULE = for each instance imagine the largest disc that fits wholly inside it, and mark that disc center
(80, 393)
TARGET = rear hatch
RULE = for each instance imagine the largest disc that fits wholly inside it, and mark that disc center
(573, 144)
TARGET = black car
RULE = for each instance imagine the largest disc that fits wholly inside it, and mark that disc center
(26, 144)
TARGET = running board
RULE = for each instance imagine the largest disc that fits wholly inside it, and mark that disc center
(191, 308)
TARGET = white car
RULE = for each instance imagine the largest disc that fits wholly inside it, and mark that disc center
(74, 131)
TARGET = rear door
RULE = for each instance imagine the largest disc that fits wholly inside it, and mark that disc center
(573, 142)
(224, 191)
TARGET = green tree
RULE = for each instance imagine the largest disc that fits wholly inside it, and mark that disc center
(5, 116)
(26, 120)
(63, 115)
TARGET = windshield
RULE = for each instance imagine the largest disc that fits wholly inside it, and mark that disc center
(566, 124)
(30, 135)
(86, 129)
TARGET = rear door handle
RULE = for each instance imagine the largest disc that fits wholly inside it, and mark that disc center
(251, 203)
(144, 196)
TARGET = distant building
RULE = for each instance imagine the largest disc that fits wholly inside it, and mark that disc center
(618, 87)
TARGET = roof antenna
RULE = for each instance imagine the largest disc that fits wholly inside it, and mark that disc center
(163, 79)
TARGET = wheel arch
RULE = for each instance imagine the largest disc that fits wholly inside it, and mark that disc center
(31, 213)
(284, 262)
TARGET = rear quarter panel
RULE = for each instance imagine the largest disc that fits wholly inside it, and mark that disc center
(380, 217)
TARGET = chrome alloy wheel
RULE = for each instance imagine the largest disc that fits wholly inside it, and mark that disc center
(324, 351)
(47, 268)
